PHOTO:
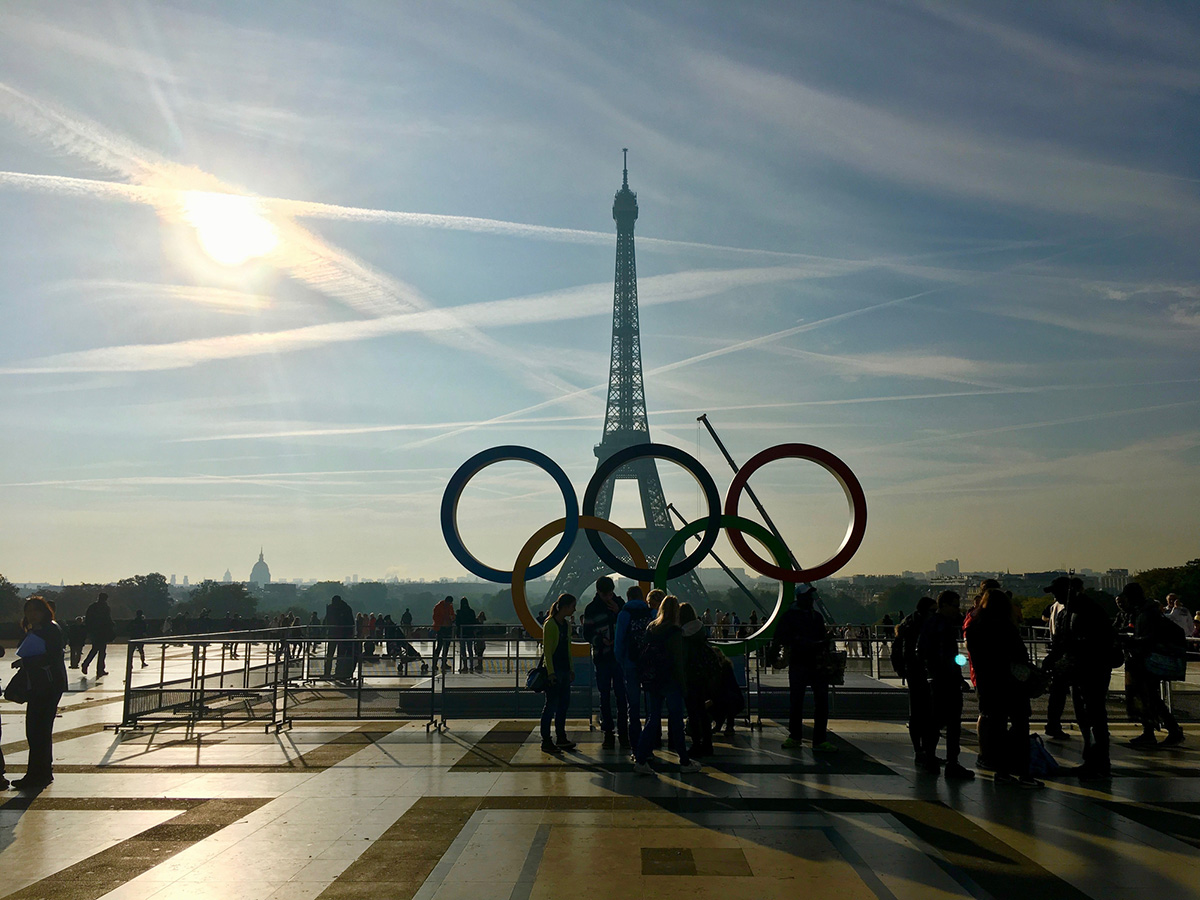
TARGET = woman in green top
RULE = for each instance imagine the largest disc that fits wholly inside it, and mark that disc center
(556, 652)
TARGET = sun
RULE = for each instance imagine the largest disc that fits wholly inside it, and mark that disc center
(230, 228)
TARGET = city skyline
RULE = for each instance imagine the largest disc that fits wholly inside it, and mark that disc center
(270, 280)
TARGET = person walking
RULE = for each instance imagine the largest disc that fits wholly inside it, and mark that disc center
(662, 673)
(802, 633)
(137, 635)
(908, 666)
(995, 646)
(937, 651)
(101, 632)
(41, 657)
(1083, 654)
(1152, 633)
(628, 634)
(600, 629)
(443, 632)
(466, 623)
(560, 672)
(77, 638)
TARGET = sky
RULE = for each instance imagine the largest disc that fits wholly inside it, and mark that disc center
(271, 272)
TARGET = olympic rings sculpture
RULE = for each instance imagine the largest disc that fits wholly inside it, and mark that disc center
(736, 527)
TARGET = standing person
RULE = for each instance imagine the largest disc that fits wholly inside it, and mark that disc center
(994, 644)
(443, 632)
(1151, 632)
(628, 633)
(101, 633)
(480, 642)
(1062, 589)
(937, 650)
(1083, 653)
(406, 621)
(600, 630)
(48, 679)
(909, 667)
(339, 626)
(77, 637)
(137, 634)
(1180, 615)
(560, 672)
(702, 670)
(802, 631)
(3, 781)
(465, 621)
(661, 671)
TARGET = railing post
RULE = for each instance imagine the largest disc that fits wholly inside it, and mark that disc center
(128, 683)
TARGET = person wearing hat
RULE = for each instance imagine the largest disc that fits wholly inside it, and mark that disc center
(1062, 589)
(802, 631)
(1082, 655)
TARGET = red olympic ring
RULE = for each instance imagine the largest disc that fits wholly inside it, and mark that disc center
(854, 495)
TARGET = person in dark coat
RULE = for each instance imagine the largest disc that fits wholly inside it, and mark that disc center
(802, 631)
(908, 666)
(1082, 653)
(465, 622)
(101, 633)
(137, 634)
(600, 630)
(702, 668)
(77, 638)
(937, 651)
(339, 626)
(48, 680)
(1151, 631)
(995, 645)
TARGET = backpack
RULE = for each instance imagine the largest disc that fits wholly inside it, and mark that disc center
(1041, 763)
(636, 638)
(903, 646)
(653, 661)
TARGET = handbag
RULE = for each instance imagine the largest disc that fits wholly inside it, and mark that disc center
(1166, 666)
(537, 679)
(18, 688)
(1033, 680)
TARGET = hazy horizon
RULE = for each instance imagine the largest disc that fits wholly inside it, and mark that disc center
(269, 278)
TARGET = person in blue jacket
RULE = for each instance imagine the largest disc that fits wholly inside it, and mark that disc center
(632, 621)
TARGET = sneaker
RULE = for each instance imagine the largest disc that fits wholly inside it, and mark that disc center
(102, 673)
(550, 748)
(1004, 778)
(564, 744)
(729, 733)
(825, 747)
(83, 668)
(956, 772)
(146, 664)
(31, 783)
(1173, 739)
(928, 764)
(1146, 741)
(1028, 781)
(1056, 734)
(792, 744)
(691, 766)
(643, 768)
(610, 741)
(982, 762)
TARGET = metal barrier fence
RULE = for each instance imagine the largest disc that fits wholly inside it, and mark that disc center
(277, 676)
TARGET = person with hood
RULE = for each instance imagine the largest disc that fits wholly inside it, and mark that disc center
(465, 621)
(599, 630)
(1082, 653)
(808, 643)
(101, 633)
(937, 653)
(560, 672)
(908, 666)
(662, 673)
(632, 621)
(702, 671)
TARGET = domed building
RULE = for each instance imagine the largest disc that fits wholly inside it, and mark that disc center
(260, 574)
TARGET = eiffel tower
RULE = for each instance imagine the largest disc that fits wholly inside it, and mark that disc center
(625, 424)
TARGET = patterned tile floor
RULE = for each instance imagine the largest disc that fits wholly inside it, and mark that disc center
(387, 810)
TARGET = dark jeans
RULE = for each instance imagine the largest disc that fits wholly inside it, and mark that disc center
(799, 680)
(611, 680)
(39, 725)
(633, 697)
(1089, 697)
(466, 653)
(699, 723)
(441, 645)
(947, 707)
(920, 716)
(558, 697)
(76, 655)
(1003, 726)
(1056, 702)
(98, 650)
(653, 730)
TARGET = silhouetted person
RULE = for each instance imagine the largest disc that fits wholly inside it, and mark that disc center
(937, 650)
(560, 672)
(466, 623)
(406, 622)
(1061, 589)
(628, 633)
(661, 669)
(339, 626)
(101, 633)
(1152, 632)
(802, 631)
(600, 630)
(443, 632)
(77, 637)
(1083, 654)
(908, 666)
(137, 634)
(48, 680)
(702, 666)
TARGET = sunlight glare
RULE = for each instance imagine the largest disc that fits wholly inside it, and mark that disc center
(230, 228)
